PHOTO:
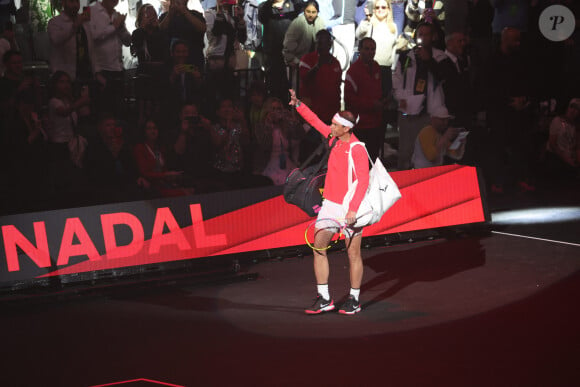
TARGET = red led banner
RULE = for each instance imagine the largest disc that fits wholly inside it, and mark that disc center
(140, 233)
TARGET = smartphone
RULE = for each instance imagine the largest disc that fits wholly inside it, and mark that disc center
(87, 11)
(457, 143)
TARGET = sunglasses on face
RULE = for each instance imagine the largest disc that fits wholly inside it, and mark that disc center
(381, 7)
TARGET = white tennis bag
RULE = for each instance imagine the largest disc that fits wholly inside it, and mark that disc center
(381, 194)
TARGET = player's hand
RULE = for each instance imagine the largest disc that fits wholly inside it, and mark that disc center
(294, 101)
(350, 218)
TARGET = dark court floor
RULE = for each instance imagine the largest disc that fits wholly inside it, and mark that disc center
(495, 308)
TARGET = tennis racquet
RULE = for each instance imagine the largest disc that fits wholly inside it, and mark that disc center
(337, 228)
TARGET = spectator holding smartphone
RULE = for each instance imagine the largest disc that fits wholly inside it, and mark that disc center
(438, 140)
(185, 80)
(226, 31)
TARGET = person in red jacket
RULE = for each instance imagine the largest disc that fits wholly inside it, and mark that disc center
(335, 188)
(364, 97)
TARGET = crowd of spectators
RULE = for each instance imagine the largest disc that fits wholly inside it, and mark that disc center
(186, 120)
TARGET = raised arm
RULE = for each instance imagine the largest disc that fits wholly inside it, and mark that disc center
(309, 115)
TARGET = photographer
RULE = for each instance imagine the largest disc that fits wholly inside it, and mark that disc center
(427, 11)
(276, 17)
(226, 30)
(418, 89)
(192, 150)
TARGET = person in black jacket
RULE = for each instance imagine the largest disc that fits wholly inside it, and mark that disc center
(509, 114)
(110, 165)
(276, 16)
(457, 76)
(187, 25)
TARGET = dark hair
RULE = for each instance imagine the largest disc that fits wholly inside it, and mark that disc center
(176, 42)
(312, 2)
(257, 87)
(9, 54)
(363, 40)
(147, 120)
(105, 116)
(54, 80)
(187, 103)
(348, 115)
(424, 24)
(224, 99)
(323, 32)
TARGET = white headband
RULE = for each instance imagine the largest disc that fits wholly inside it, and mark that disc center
(343, 121)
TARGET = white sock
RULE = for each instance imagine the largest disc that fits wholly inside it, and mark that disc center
(323, 291)
(355, 293)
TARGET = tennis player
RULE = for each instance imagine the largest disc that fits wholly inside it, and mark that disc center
(335, 189)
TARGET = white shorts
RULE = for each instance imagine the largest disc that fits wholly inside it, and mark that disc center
(332, 212)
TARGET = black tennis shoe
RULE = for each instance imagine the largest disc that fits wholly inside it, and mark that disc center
(350, 306)
(320, 305)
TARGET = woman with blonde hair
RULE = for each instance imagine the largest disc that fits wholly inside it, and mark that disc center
(262, 136)
(380, 26)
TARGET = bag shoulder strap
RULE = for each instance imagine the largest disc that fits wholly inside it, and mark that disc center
(351, 168)
(324, 159)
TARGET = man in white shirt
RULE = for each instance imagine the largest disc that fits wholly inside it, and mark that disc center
(418, 90)
(69, 41)
(108, 35)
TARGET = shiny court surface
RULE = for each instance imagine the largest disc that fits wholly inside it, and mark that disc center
(493, 309)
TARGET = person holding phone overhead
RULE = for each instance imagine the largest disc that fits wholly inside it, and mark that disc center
(186, 25)
(226, 30)
(427, 11)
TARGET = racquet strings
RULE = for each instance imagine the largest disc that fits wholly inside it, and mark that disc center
(335, 226)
